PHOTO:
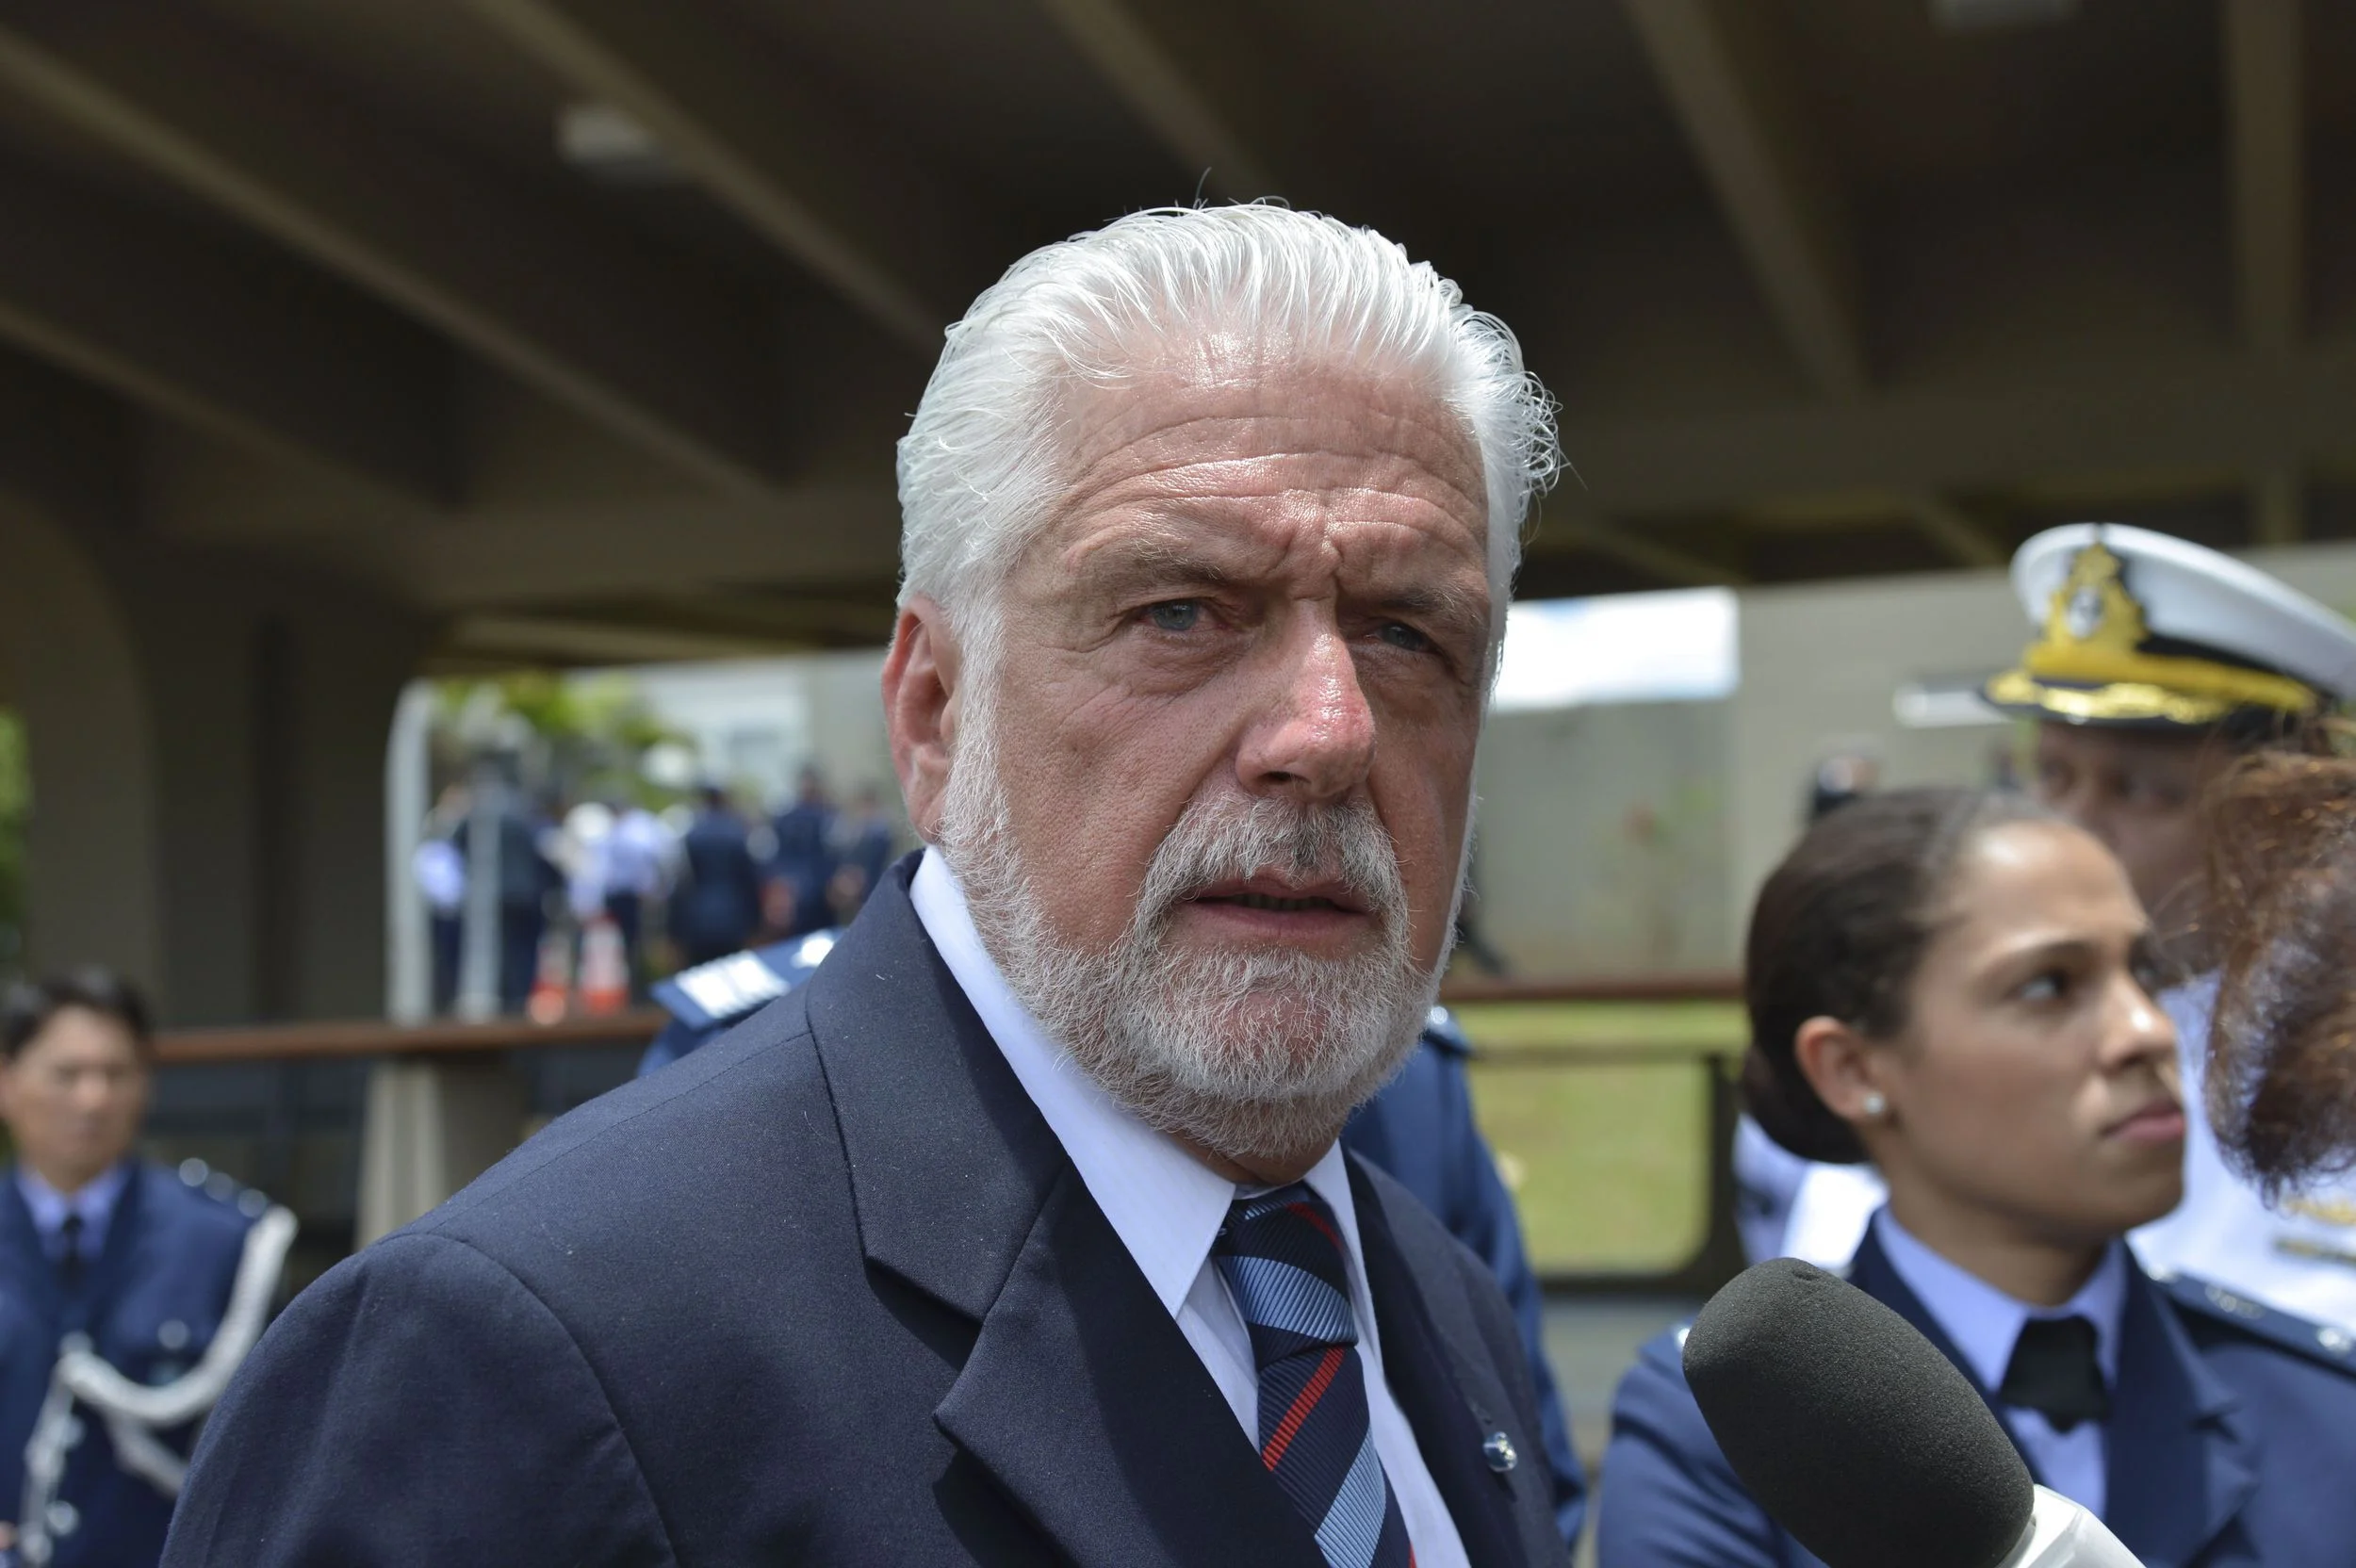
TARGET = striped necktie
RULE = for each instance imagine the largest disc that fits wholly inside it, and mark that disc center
(1281, 1256)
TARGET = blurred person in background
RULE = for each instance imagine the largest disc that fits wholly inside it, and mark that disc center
(96, 1242)
(638, 857)
(863, 848)
(2158, 665)
(1842, 778)
(1955, 985)
(803, 854)
(716, 904)
(440, 873)
(527, 877)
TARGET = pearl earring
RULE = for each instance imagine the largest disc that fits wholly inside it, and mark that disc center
(1875, 1106)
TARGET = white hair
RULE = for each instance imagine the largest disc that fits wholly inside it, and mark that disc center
(983, 461)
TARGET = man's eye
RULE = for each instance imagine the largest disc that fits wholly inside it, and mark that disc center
(1175, 615)
(1400, 635)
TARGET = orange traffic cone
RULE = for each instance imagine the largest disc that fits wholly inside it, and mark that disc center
(553, 981)
(604, 967)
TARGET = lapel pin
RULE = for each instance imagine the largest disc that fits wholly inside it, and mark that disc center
(1498, 1449)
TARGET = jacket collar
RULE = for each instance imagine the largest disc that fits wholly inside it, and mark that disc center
(1080, 1396)
(2181, 1460)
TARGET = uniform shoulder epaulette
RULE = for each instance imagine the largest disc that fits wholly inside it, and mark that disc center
(2321, 1341)
(742, 984)
(223, 1189)
(1441, 1028)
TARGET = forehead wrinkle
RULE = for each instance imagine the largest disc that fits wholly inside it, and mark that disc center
(1168, 535)
(1440, 441)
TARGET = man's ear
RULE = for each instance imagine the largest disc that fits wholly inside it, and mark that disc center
(1844, 1068)
(920, 692)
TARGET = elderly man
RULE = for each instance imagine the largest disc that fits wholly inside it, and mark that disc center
(1019, 1233)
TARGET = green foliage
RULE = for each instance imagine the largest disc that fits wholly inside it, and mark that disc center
(16, 809)
(580, 737)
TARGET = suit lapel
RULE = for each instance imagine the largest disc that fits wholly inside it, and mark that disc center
(1086, 1401)
(2183, 1461)
(1872, 1272)
(1080, 1396)
(1452, 1399)
(2180, 1460)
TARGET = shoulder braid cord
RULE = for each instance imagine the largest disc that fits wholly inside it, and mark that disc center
(133, 1412)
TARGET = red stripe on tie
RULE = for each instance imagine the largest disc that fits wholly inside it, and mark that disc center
(1281, 1438)
(1309, 1212)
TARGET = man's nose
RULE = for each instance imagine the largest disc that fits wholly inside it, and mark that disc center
(1314, 736)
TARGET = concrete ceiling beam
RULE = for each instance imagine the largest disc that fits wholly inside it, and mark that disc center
(1623, 543)
(1739, 102)
(1965, 539)
(2267, 120)
(2226, 412)
(879, 232)
(1164, 94)
(663, 351)
(258, 351)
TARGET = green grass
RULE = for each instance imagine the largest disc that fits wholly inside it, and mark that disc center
(1608, 1163)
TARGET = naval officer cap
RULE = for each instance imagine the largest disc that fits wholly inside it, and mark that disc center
(2141, 629)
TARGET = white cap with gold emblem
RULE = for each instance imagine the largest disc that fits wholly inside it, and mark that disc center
(2140, 628)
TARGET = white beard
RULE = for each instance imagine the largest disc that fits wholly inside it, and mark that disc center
(1252, 1053)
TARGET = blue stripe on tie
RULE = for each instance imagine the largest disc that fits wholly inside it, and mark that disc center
(1277, 1294)
(1352, 1528)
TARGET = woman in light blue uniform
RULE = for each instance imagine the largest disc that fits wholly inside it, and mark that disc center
(1954, 986)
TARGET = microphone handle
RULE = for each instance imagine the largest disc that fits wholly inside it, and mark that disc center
(2062, 1534)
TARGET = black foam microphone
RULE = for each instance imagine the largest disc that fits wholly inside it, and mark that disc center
(1859, 1437)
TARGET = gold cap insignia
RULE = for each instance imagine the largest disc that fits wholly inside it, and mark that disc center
(2093, 639)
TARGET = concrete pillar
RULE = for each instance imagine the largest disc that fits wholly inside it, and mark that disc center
(93, 864)
(431, 1127)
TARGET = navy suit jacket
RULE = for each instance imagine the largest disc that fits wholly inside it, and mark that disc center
(827, 1292)
(150, 1302)
(1419, 1129)
(2232, 1441)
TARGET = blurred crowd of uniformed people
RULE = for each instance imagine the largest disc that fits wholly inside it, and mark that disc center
(1974, 1084)
(697, 881)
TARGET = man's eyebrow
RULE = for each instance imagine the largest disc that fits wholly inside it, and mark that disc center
(1439, 601)
(1135, 563)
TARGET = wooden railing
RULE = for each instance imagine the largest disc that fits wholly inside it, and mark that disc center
(363, 1038)
(1717, 1259)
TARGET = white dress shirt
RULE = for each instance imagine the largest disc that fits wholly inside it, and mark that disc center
(96, 1202)
(1984, 1323)
(1167, 1207)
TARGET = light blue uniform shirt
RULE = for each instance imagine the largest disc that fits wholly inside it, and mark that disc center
(1984, 1323)
(95, 1203)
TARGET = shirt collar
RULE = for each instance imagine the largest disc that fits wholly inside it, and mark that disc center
(1164, 1204)
(96, 1202)
(1982, 1322)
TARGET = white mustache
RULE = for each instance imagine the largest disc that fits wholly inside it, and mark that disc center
(1228, 838)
